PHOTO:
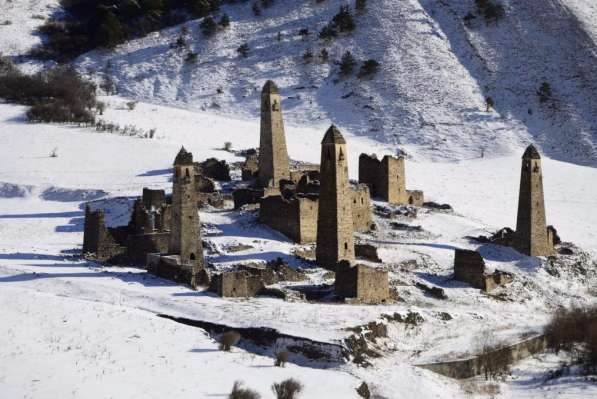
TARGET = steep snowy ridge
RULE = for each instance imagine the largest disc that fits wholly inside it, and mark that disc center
(429, 96)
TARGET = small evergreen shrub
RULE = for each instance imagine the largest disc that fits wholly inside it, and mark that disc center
(544, 93)
(347, 64)
(224, 21)
(369, 68)
(208, 26)
(243, 50)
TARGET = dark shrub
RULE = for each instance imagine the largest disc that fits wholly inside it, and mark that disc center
(575, 330)
(369, 67)
(544, 93)
(229, 339)
(344, 21)
(208, 26)
(238, 392)
(347, 64)
(56, 95)
(360, 5)
(243, 50)
(224, 21)
(287, 389)
(256, 9)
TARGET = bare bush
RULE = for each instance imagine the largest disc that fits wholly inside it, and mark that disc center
(238, 392)
(131, 105)
(495, 360)
(575, 330)
(281, 358)
(287, 389)
(229, 339)
(55, 95)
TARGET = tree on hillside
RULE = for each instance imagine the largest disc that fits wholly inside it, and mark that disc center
(347, 64)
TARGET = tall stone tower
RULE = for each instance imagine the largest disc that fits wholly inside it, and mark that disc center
(531, 230)
(335, 240)
(185, 230)
(273, 155)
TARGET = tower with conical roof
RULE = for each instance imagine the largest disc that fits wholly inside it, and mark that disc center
(185, 239)
(335, 240)
(531, 230)
(273, 155)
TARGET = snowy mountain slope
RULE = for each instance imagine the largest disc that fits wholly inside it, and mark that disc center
(429, 95)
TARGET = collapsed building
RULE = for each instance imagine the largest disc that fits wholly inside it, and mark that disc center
(361, 283)
(470, 268)
(159, 225)
(386, 179)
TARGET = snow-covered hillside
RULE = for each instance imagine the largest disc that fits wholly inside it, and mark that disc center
(429, 95)
(41, 230)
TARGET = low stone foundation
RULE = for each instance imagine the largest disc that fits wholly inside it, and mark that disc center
(170, 268)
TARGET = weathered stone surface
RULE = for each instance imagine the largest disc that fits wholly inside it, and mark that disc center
(335, 240)
(469, 267)
(532, 237)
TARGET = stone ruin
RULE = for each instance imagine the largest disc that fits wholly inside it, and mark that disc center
(361, 283)
(252, 280)
(183, 261)
(163, 233)
(469, 267)
(386, 179)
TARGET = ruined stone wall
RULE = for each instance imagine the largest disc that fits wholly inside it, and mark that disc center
(236, 284)
(361, 208)
(153, 198)
(98, 242)
(467, 368)
(296, 218)
(469, 267)
(140, 245)
(170, 268)
(386, 178)
(367, 284)
(282, 215)
(531, 227)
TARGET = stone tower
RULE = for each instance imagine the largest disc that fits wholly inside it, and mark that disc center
(335, 241)
(185, 231)
(273, 156)
(386, 178)
(531, 230)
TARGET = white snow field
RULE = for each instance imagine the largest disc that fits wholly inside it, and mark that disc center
(84, 318)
